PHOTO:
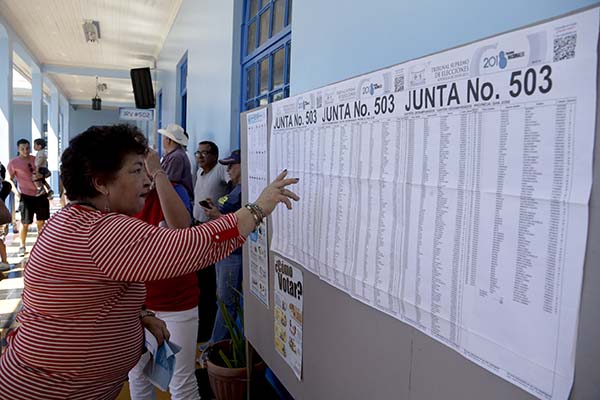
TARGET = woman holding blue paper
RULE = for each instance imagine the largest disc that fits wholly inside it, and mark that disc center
(80, 328)
(174, 300)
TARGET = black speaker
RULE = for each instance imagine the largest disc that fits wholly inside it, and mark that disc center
(142, 87)
(97, 103)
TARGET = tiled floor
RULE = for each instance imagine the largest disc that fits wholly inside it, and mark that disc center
(11, 283)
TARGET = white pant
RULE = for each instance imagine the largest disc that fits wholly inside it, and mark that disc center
(183, 326)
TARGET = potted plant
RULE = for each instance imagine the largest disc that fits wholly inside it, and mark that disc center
(226, 363)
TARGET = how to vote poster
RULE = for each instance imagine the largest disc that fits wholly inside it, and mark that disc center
(288, 314)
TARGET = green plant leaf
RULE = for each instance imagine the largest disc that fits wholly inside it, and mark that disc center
(237, 342)
(225, 359)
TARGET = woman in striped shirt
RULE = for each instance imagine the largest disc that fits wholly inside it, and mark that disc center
(80, 328)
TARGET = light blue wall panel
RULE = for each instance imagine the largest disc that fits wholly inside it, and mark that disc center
(335, 40)
(209, 31)
(21, 124)
(83, 118)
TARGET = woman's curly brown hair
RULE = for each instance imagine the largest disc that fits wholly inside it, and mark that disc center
(99, 152)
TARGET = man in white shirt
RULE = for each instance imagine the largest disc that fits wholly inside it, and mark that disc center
(211, 180)
(211, 183)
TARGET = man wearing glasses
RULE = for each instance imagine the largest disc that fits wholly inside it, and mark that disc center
(212, 178)
(211, 183)
(21, 169)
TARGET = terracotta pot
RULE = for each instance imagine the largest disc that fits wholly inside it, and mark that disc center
(228, 383)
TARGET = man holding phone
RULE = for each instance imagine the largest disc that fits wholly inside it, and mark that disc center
(211, 183)
(211, 180)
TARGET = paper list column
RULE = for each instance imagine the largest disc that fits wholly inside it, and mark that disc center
(354, 225)
(324, 203)
(364, 211)
(318, 209)
(421, 261)
(398, 249)
(439, 277)
(528, 207)
(408, 127)
(498, 232)
(561, 186)
(385, 263)
(333, 200)
(311, 198)
(344, 227)
(301, 145)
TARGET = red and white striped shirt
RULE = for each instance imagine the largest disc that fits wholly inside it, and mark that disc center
(80, 331)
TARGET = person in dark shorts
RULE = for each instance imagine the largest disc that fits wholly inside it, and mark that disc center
(20, 170)
(5, 217)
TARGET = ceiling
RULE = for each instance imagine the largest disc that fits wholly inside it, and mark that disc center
(132, 33)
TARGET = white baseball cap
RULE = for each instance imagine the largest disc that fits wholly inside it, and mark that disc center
(175, 133)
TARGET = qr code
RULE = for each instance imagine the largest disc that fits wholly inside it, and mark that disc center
(399, 83)
(564, 47)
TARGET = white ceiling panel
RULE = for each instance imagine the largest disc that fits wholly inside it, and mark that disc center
(84, 88)
(131, 35)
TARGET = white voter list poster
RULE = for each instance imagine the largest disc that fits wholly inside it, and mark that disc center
(258, 160)
(451, 192)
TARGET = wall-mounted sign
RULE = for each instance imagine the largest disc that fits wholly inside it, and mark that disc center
(136, 114)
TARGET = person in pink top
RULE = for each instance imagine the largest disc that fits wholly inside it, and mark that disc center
(81, 327)
(21, 170)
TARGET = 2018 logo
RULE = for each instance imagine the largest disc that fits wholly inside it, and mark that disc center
(498, 60)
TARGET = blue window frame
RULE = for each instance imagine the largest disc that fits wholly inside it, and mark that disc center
(159, 123)
(266, 50)
(182, 71)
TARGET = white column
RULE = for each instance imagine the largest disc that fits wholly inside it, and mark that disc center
(65, 109)
(37, 103)
(7, 142)
(53, 133)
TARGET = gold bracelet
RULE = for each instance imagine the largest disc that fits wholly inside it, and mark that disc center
(256, 212)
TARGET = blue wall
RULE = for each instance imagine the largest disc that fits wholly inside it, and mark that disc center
(331, 41)
(209, 31)
(82, 118)
(365, 36)
(21, 123)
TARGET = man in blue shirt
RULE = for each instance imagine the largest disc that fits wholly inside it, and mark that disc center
(229, 270)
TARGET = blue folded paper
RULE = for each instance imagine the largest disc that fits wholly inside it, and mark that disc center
(161, 365)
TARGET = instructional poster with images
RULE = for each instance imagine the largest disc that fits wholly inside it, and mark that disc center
(451, 192)
(259, 264)
(258, 160)
(288, 314)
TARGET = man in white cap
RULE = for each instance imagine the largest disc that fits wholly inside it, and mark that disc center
(176, 162)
